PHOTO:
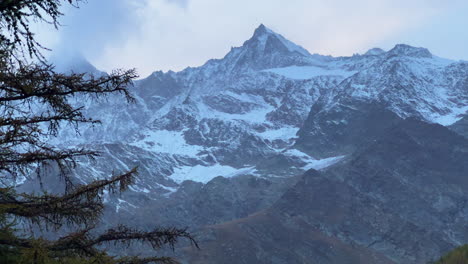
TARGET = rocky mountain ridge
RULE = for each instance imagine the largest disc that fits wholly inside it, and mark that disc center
(264, 115)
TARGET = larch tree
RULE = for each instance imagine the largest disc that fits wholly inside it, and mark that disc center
(34, 104)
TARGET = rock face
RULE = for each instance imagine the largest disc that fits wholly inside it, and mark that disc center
(461, 126)
(223, 149)
(343, 128)
(398, 199)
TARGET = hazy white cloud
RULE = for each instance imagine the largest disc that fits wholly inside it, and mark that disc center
(173, 34)
(181, 3)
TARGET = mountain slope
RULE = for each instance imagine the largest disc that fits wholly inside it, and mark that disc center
(398, 199)
(461, 126)
(231, 139)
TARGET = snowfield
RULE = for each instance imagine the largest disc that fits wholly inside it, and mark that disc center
(309, 72)
(204, 174)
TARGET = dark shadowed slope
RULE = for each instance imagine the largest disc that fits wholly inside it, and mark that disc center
(400, 198)
(461, 126)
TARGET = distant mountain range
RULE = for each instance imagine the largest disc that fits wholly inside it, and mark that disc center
(275, 155)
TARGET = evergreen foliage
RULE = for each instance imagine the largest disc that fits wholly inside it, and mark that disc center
(34, 104)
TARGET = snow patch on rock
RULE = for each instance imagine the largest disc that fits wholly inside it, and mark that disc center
(451, 118)
(164, 141)
(309, 72)
(283, 133)
(204, 174)
(311, 163)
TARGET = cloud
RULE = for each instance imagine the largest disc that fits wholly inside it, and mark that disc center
(181, 3)
(173, 34)
(95, 25)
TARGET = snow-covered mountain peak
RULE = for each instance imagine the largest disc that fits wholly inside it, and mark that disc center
(375, 52)
(410, 51)
(240, 115)
(264, 50)
(262, 29)
(268, 40)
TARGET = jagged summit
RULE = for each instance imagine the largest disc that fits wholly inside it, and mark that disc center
(264, 50)
(262, 29)
(268, 40)
(267, 49)
(410, 51)
(401, 50)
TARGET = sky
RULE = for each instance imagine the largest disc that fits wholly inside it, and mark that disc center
(152, 35)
